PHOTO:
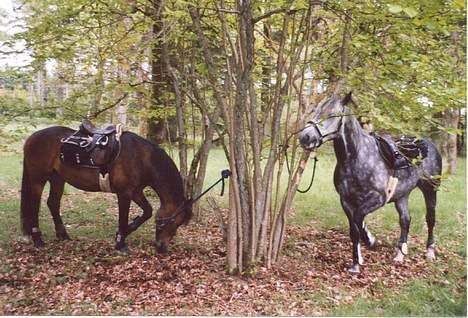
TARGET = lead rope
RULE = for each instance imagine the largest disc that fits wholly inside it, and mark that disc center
(285, 147)
(224, 175)
(311, 180)
(162, 222)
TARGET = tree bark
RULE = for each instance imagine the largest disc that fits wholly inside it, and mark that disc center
(164, 127)
(451, 120)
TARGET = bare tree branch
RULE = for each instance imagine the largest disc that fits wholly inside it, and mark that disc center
(109, 106)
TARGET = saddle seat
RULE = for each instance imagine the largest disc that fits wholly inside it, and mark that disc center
(401, 153)
(87, 127)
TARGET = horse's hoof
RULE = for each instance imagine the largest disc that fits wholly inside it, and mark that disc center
(354, 269)
(399, 258)
(63, 237)
(39, 243)
(25, 239)
(430, 254)
(161, 248)
(122, 249)
(372, 245)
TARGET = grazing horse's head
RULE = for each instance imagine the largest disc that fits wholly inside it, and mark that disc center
(324, 122)
(166, 227)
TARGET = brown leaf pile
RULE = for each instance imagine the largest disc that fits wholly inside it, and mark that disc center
(83, 276)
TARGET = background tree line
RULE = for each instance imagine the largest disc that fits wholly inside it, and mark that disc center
(243, 74)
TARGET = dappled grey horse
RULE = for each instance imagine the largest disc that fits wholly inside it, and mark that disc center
(362, 178)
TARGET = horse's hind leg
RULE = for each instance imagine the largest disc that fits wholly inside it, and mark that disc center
(405, 220)
(35, 204)
(57, 185)
(430, 196)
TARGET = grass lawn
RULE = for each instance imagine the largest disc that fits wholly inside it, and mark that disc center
(438, 289)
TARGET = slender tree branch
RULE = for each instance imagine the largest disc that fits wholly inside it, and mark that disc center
(109, 106)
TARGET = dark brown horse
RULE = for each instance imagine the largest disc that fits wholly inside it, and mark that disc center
(139, 164)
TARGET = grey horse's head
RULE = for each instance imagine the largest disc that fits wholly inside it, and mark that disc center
(324, 122)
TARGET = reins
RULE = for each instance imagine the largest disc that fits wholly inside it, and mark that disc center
(162, 222)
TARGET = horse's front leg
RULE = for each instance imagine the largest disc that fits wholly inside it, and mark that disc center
(354, 234)
(140, 199)
(370, 202)
(124, 206)
(405, 220)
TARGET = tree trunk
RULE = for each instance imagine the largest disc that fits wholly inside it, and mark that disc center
(451, 120)
(41, 89)
(163, 127)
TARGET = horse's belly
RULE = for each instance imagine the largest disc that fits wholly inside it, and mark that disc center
(85, 179)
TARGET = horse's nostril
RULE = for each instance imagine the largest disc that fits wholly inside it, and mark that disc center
(304, 139)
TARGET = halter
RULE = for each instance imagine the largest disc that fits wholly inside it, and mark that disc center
(321, 138)
(161, 223)
(317, 128)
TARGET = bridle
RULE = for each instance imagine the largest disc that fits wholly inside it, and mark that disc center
(161, 223)
(320, 142)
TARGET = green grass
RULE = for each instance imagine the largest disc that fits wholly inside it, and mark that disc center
(93, 215)
(418, 298)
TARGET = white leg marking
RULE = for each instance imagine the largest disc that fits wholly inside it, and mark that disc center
(360, 259)
(404, 248)
(370, 236)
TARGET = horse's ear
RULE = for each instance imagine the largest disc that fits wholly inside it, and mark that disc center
(348, 98)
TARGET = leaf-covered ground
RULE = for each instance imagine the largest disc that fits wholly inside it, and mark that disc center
(85, 276)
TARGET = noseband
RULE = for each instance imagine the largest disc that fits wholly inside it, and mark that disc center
(317, 128)
(161, 223)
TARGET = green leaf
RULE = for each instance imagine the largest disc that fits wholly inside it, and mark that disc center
(411, 12)
(393, 8)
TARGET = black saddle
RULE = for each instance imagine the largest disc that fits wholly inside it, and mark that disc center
(91, 147)
(87, 127)
(401, 153)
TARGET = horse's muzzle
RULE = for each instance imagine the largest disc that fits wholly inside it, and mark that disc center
(307, 141)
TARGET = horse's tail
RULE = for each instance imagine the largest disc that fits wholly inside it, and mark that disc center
(429, 183)
(432, 164)
(25, 207)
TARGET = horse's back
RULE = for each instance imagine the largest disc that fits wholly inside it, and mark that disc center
(46, 136)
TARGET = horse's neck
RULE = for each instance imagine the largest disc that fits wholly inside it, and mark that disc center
(352, 142)
(167, 181)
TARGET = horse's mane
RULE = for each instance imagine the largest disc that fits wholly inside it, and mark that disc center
(168, 172)
(172, 179)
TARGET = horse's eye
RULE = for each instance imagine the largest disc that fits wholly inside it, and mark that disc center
(331, 115)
